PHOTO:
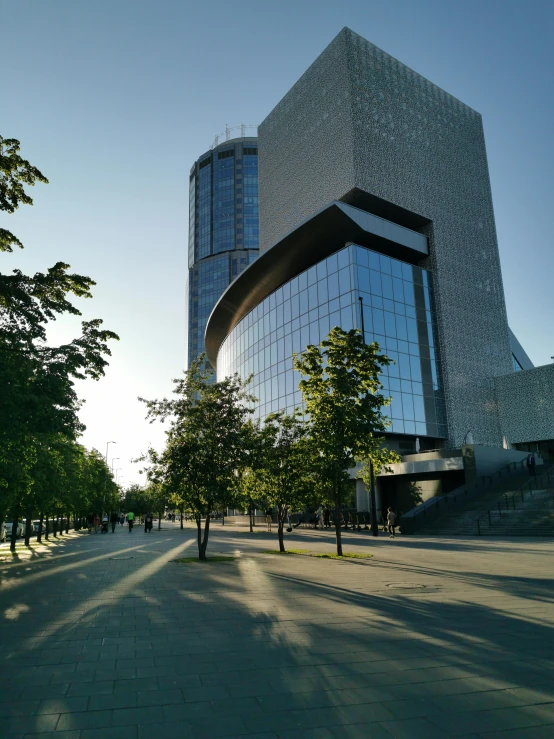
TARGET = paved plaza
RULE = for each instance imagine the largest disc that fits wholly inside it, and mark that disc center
(106, 637)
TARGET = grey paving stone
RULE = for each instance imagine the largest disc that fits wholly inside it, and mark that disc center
(159, 697)
(185, 711)
(42, 692)
(320, 733)
(166, 730)
(63, 705)
(18, 708)
(413, 728)
(147, 683)
(102, 687)
(216, 726)
(113, 732)
(209, 693)
(132, 716)
(128, 699)
(85, 720)
(29, 724)
(359, 731)
(535, 732)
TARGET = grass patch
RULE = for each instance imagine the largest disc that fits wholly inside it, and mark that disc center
(289, 551)
(307, 553)
(346, 555)
(190, 560)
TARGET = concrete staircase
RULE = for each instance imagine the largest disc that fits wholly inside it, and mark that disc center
(510, 513)
(534, 516)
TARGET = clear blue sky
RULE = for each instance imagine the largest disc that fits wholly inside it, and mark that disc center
(113, 101)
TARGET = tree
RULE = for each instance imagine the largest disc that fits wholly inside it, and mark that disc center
(37, 393)
(284, 475)
(341, 389)
(14, 173)
(207, 442)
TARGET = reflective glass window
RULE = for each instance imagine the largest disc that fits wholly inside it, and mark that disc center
(326, 296)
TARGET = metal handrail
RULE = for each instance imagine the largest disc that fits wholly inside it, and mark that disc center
(516, 494)
(433, 504)
(224, 136)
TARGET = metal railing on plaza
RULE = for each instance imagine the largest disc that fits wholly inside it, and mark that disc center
(513, 501)
(431, 509)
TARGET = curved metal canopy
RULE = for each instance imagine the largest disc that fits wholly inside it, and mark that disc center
(315, 239)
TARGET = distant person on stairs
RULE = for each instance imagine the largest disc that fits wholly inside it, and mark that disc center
(531, 464)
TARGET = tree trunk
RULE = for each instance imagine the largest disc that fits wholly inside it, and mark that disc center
(251, 516)
(281, 515)
(338, 516)
(56, 524)
(28, 517)
(159, 521)
(67, 523)
(47, 528)
(182, 512)
(199, 531)
(204, 544)
(13, 537)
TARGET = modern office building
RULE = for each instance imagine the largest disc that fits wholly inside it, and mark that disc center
(223, 227)
(374, 184)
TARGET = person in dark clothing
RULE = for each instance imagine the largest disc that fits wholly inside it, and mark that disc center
(531, 464)
(114, 518)
(327, 518)
(90, 522)
(148, 522)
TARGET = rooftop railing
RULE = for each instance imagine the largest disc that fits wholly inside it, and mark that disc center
(235, 132)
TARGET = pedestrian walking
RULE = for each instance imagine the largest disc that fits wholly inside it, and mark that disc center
(114, 518)
(147, 523)
(327, 518)
(96, 523)
(121, 520)
(90, 522)
(391, 520)
(130, 519)
(268, 519)
(531, 464)
(320, 517)
(384, 520)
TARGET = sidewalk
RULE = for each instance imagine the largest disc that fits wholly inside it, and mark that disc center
(108, 638)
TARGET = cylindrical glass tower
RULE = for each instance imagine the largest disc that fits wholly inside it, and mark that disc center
(223, 229)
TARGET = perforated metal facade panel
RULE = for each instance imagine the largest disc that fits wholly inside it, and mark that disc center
(361, 127)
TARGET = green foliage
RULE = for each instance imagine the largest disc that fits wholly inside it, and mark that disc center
(341, 389)
(15, 172)
(281, 476)
(207, 443)
(41, 465)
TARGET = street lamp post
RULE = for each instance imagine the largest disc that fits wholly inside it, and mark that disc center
(113, 460)
(373, 503)
(107, 445)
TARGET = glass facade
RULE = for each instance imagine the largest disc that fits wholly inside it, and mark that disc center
(223, 229)
(397, 314)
